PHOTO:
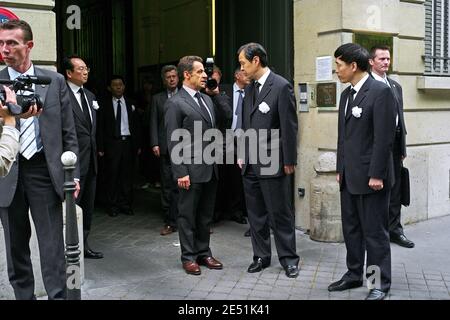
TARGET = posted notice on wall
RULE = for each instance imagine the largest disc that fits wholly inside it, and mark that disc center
(324, 68)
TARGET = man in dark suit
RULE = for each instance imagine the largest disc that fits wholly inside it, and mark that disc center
(158, 142)
(380, 62)
(197, 181)
(366, 130)
(84, 107)
(270, 108)
(118, 141)
(36, 180)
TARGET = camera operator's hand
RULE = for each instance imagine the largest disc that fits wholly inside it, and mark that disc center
(212, 93)
(33, 112)
(9, 119)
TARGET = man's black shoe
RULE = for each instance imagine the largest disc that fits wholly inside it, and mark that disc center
(113, 213)
(257, 266)
(89, 254)
(128, 212)
(238, 217)
(376, 294)
(291, 271)
(342, 285)
(402, 241)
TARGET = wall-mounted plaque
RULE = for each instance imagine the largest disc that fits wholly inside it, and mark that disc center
(326, 95)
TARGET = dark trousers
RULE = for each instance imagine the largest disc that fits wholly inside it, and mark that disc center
(269, 204)
(395, 225)
(195, 214)
(169, 192)
(35, 192)
(234, 191)
(119, 162)
(86, 199)
(365, 226)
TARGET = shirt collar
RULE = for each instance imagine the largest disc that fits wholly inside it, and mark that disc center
(361, 82)
(13, 74)
(74, 87)
(263, 79)
(191, 92)
(122, 100)
(172, 93)
(379, 78)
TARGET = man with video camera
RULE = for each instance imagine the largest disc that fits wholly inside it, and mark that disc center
(9, 135)
(36, 179)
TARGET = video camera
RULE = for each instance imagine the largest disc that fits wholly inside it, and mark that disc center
(22, 84)
(211, 83)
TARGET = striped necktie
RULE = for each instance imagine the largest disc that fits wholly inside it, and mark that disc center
(28, 144)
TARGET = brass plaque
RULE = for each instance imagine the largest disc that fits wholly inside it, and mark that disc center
(326, 95)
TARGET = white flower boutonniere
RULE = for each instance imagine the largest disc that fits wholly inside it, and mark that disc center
(264, 108)
(357, 112)
(133, 108)
(95, 105)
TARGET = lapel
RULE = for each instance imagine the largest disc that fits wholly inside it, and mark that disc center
(191, 102)
(264, 92)
(41, 90)
(76, 106)
(362, 93)
(93, 112)
(343, 102)
(128, 107)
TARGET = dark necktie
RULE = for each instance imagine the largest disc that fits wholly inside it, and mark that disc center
(85, 107)
(202, 106)
(350, 102)
(238, 112)
(118, 119)
(256, 92)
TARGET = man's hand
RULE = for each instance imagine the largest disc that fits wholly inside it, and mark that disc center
(240, 163)
(32, 112)
(184, 183)
(338, 178)
(77, 189)
(376, 184)
(214, 92)
(157, 151)
(289, 170)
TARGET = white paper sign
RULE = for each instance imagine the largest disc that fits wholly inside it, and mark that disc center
(324, 68)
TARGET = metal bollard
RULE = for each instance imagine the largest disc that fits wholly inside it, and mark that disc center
(73, 271)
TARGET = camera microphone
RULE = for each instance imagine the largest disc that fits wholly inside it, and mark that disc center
(35, 79)
(42, 80)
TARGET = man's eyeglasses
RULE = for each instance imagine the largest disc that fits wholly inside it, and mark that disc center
(81, 69)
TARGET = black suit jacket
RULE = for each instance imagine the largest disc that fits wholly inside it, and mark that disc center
(398, 94)
(364, 148)
(107, 122)
(278, 94)
(86, 136)
(57, 130)
(182, 112)
(157, 128)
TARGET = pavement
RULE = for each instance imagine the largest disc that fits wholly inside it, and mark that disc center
(140, 264)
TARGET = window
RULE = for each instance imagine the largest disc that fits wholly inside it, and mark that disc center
(437, 47)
